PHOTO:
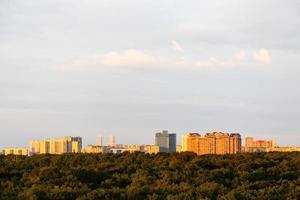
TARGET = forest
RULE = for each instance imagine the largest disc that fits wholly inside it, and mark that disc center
(177, 176)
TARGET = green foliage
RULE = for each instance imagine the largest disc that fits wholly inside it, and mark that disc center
(162, 176)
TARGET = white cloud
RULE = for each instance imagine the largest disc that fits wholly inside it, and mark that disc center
(176, 46)
(240, 56)
(262, 56)
(128, 57)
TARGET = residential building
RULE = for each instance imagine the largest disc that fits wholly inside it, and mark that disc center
(56, 146)
(96, 149)
(252, 145)
(15, 151)
(151, 149)
(212, 143)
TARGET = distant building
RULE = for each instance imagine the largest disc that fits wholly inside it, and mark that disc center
(15, 151)
(212, 143)
(56, 146)
(112, 141)
(152, 149)
(99, 140)
(283, 149)
(166, 141)
(178, 148)
(135, 148)
(252, 145)
(96, 149)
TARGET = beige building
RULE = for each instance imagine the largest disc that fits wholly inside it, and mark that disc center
(96, 149)
(252, 145)
(15, 151)
(283, 149)
(56, 146)
(151, 148)
(212, 143)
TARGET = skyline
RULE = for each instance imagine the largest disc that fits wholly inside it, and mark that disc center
(110, 140)
(132, 68)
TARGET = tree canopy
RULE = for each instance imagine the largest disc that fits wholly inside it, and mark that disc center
(176, 176)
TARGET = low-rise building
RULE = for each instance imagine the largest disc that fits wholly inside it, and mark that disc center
(15, 151)
(96, 149)
(151, 148)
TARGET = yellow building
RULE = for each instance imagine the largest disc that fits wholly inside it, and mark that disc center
(56, 146)
(212, 143)
(96, 149)
(283, 149)
(151, 148)
(15, 151)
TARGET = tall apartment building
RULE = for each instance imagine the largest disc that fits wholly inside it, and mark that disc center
(111, 141)
(15, 151)
(166, 141)
(56, 146)
(99, 140)
(212, 143)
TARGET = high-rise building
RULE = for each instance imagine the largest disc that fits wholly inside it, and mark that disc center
(99, 140)
(112, 141)
(212, 143)
(166, 141)
(56, 146)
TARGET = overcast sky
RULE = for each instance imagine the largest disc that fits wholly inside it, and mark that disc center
(133, 67)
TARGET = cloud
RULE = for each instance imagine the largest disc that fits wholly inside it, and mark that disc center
(128, 57)
(176, 46)
(262, 56)
(240, 56)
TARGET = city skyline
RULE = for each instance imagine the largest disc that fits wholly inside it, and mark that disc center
(131, 68)
(164, 142)
(109, 139)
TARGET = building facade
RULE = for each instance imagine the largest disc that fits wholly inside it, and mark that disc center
(15, 151)
(112, 141)
(96, 149)
(252, 145)
(99, 140)
(56, 146)
(212, 143)
(166, 141)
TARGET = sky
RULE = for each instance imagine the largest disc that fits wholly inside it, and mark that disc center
(131, 68)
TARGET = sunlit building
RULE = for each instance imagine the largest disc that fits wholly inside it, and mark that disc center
(56, 146)
(212, 143)
(252, 145)
(96, 149)
(151, 149)
(15, 151)
(99, 140)
(283, 149)
(112, 141)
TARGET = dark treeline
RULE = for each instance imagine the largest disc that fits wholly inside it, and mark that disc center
(176, 176)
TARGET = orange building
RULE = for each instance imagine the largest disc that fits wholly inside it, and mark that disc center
(212, 143)
(252, 145)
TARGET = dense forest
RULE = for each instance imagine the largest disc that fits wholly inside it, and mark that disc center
(175, 176)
